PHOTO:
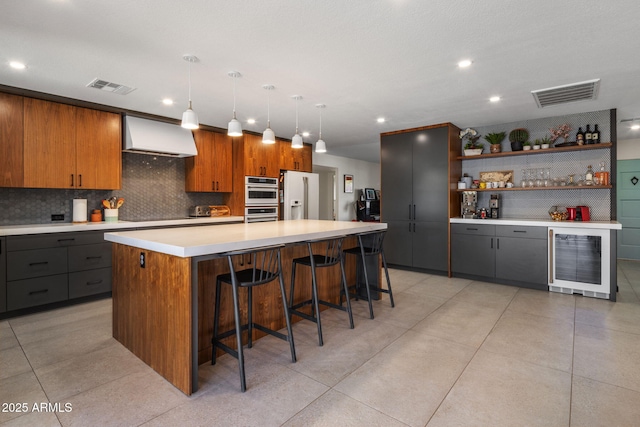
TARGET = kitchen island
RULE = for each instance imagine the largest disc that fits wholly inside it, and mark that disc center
(164, 281)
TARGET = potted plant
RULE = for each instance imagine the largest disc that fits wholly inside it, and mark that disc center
(526, 146)
(536, 144)
(495, 139)
(471, 147)
(545, 142)
(517, 137)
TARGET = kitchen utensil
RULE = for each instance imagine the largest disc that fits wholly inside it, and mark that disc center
(571, 214)
(119, 202)
(106, 204)
(112, 202)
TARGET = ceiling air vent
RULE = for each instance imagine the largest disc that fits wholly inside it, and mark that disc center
(573, 92)
(110, 87)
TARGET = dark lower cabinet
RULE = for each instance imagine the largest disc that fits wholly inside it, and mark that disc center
(3, 275)
(47, 268)
(516, 255)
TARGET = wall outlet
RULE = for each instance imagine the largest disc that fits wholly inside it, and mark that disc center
(57, 217)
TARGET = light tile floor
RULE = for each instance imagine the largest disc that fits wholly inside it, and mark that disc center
(452, 352)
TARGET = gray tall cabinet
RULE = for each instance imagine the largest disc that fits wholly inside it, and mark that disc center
(418, 181)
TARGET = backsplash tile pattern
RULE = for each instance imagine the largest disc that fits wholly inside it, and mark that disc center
(152, 186)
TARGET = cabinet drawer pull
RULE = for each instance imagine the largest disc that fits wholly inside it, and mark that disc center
(80, 179)
(498, 244)
(519, 231)
(217, 185)
(95, 282)
(492, 243)
(94, 257)
(42, 291)
(33, 264)
(66, 240)
(71, 181)
(213, 185)
(472, 229)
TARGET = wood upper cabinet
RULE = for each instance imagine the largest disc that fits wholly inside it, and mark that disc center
(211, 169)
(11, 135)
(71, 147)
(261, 159)
(49, 144)
(295, 159)
(98, 149)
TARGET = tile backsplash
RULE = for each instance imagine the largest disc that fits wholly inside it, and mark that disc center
(152, 186)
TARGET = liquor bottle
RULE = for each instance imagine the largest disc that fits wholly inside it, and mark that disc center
(588, 135)
(588, 176)
(595, 135)
(580, 136)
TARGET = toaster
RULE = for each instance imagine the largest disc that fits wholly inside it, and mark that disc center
(200, 210)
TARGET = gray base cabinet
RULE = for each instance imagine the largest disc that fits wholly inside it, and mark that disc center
(506, 254)
(47, 268)
(3, 275)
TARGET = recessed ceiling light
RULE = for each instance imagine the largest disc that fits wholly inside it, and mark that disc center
(251, 121)
(167, 101)
(494, 99)
(465, 63)
(305, 134)
(17, 65)
(381, 120)
(635, 127)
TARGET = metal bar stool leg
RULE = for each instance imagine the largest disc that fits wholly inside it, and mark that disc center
(287, 316)
(216, 322)
(250, 316)
(346, 290)
(236, 312)
(314, 291)
(366, 277)
(386, 272)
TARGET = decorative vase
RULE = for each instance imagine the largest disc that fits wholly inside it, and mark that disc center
(516, 146)
(473, 151)
(495, 148)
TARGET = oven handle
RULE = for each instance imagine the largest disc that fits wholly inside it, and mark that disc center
(550, 255)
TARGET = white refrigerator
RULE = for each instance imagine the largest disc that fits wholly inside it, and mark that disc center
(299, 197)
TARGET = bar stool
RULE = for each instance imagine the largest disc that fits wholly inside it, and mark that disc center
(266, 267)
(332, 256)
(369, 245)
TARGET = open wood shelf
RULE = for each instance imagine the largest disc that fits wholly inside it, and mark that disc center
(566, 187)
(541, 151)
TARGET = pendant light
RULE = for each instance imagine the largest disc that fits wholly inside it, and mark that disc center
(235, 128)
(268, 136)
(321, 147)
(189, 117)
(296, 141)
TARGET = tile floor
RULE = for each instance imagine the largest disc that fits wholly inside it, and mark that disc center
(452, 352)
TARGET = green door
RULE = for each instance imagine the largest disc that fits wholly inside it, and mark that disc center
(628, 187)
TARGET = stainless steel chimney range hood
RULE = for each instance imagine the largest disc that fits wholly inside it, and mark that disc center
(144, 136)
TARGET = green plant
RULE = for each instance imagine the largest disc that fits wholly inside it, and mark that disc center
(495, 137)
(526, 143)
(518, 135)
(471, 145)
(545, 140)
(537, 142)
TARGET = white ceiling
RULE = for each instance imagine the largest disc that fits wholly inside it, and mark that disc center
(362, 58)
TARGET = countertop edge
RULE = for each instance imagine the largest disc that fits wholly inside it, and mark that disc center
(67, 227)
(184, 251)
(610, 225)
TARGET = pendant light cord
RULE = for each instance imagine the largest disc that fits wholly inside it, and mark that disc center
(268, 108)
(234, 97)
(296, 115)
(320, 133)
(189, 83)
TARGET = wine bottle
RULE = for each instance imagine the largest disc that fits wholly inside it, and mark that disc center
(595, 135)
(588, 135)
(580, 136)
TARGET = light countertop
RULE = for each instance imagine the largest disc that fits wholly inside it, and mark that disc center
(611, 225)
(192, 242)
(14, 230)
